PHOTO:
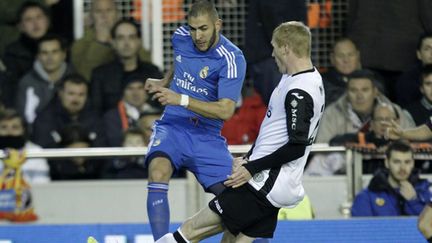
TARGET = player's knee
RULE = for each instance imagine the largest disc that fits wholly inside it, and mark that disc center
(159, 175)
(160, 171)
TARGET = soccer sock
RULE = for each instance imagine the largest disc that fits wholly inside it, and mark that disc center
(178, 236)
(158, 209)
(261, 240)
(168, 238)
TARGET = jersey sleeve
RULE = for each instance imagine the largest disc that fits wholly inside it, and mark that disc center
(179, 36)
(299, 108)
(231, 75)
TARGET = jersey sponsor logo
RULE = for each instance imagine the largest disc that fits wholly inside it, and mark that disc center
(178, 58)
(258, 177)
(204, 72)
(294, 104)
(187, 82)
(298, 96)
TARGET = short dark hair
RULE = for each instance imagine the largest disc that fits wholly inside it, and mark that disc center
(74, 133)
(426, 71)
(53, 37)
(363, 74)
(422, 38)
(31, 4)
(9, 114)
(342, 39)
(398, 145)
(202, 7)
(74, 78)
(125, 21)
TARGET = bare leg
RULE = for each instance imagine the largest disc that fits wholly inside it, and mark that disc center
(241, 238)
(228, 237)
(425, 221)
(202, 225)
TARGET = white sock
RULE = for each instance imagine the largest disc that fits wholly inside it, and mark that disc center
(167, 238)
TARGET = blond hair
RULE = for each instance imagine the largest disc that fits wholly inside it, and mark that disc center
(296, 35)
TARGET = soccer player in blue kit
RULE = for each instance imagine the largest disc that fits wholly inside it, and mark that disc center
(205, 84)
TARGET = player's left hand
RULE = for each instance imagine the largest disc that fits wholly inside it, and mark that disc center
(166, 96)
(238, 177)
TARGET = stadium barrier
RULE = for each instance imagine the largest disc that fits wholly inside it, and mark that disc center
(393, 230)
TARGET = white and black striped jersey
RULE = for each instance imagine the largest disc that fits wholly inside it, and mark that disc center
(279, 154)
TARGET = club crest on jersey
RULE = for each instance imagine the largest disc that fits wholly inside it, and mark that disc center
(204, 72)
(258, 177)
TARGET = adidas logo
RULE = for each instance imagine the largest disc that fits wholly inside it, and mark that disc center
(178, 58)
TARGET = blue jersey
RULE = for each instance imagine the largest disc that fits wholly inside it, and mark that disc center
(207, 76)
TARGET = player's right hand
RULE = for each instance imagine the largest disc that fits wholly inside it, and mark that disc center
(152, 84)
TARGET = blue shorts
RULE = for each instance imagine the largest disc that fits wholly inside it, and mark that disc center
(190, 145)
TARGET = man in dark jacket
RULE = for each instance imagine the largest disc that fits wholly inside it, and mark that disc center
(70, 107)
(395, 191)
(33, 22)
(345, 58)
(408, 84)
(107, 79)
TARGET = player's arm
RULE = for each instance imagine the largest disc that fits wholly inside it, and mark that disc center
(221, 109)
(299, 113)
(420, 133)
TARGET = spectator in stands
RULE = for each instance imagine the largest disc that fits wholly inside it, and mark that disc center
(244, 125)
(263, 17)
(71, 106)
(146, 122)
(128, 167)
(107, 79)
(127, 113)
(368, 141)
(407, 85)
(13, 135)
(387, 50)
(33, 22)
(420, 133)
(396, 190)
(94, 49)
(421, 110)
(351, 113)
(345, 58)
(38, 87)
(74, 135)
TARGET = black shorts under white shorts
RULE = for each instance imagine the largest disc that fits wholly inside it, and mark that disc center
(245, 211)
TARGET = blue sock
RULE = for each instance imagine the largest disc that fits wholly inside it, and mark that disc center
(158, 209)
(261, 240)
